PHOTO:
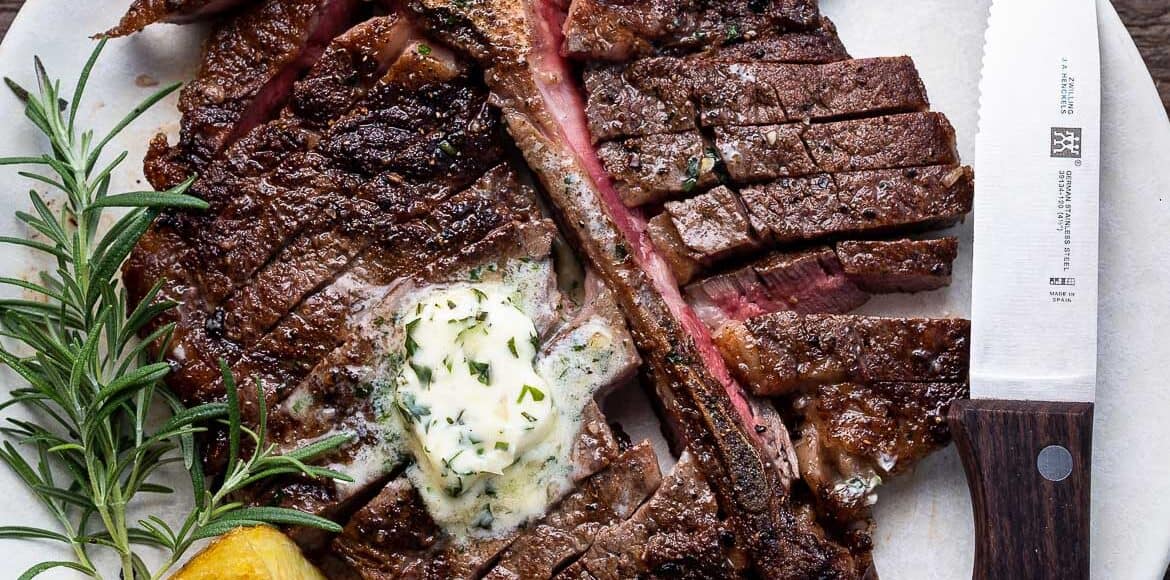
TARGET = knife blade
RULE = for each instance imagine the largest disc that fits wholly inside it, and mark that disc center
(1025, 435)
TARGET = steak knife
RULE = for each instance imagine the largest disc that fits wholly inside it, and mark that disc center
(1025, 436)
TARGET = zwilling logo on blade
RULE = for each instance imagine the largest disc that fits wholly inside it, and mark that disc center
(1066, 142)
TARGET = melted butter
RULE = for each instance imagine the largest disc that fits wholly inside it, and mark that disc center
(574, 365)
(468, 493)
(469, 391)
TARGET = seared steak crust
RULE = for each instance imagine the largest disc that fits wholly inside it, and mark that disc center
(819, 45)
(786, 352)
(249, 65)
(298, 199)
(678, 533)
(754, 154)
(899, 266)
(659, 95)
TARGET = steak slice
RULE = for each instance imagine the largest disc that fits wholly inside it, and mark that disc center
(702, 231)
(519, 45)
(864, 203)
(785, 352)
(394, 537)
(678, 533)
(854, 435)
(622, 29)
(713, 226)
(883, 267)
(823, 280)
(660, 95)
(806, 282)
(249, 66)
(753, 93)
(656, 167)
(753, 154)
(143, 13)
(820, 45)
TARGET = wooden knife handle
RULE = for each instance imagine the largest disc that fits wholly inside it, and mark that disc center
(1030, 523)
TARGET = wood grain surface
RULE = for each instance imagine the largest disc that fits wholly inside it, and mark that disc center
(1031, 505)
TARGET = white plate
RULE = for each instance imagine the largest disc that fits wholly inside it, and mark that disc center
(924, 519)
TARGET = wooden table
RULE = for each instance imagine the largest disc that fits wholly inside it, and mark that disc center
(1148, 21)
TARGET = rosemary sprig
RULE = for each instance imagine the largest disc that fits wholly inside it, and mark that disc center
(92, 384)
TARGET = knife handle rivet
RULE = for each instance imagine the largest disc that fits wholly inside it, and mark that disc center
(1054, 463)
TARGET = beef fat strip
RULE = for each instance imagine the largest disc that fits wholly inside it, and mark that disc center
(518, 44)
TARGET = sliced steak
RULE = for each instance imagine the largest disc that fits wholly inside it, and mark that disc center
(797, 210)
(659, 95)
(714, 226)
(678, 533)
(883, 267)
(806, 282)
(753, 93)
(786, 352)
(864, 203)
(820, 45)
(285, 232)
(621, 29)
(657, 167)
(249, 65)
(647, 97)
(754, 154)
(394, 537)
(143, 13)
(823, 280)
(519, 45)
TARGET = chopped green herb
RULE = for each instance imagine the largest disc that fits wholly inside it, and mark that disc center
(733, 32)
(537, 394)
(502, 445)
(411, 345)
(481, 371)
(528, 416)
(411, 408)
(423, 373)
(479, 294)
(423, 49)
(446, 147)
(451, 304)
(578, 347)
(512, 347)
